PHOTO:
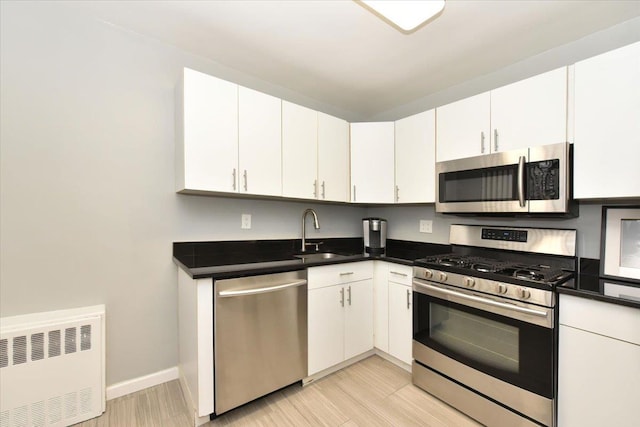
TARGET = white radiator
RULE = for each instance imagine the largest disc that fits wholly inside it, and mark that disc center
(52, 367)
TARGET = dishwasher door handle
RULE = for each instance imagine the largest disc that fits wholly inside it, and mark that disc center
(256, 291)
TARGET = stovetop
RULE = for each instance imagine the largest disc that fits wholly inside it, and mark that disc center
(535, 275)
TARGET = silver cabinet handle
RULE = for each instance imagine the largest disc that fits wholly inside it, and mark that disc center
(408, 299)
(397, 193)
(399, 274)
(349, 295)
(234, 179)
(323, 190)
(245, 180)
(521, 181)
(482, 142)
(246, 292)
(315, 188)
(495, 140)
(342, 297)
(354, 193)
(346, 273)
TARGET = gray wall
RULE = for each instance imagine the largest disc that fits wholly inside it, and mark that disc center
(88, 212)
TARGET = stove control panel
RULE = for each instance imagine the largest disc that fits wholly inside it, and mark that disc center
(505, 234)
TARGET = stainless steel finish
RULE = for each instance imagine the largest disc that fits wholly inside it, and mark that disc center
(469, 282)
(256, 291)
(347, 273)
(397, 193)
(495, 140)
(245, 180)
(442, 276)
(354, 193)
(342, 297)
(482, 142)
(468, 402)
(479, 162)
(323, 190)
(521, 194)
(555, 151)
(398, 274)
(315, 188)
(349, 294)
(316, 225)
(528, 313)
(408, 299)
(530, 404)
(540, 240)
(234, 179)
(260, 336)
(319, 256)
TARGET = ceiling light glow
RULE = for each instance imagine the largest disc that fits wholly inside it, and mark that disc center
(407, 15)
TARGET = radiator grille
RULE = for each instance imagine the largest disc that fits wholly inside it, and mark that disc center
(56, 364)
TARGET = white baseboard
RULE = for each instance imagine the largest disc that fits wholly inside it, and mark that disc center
(136, 384)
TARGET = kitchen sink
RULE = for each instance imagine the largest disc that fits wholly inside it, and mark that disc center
(319, 256)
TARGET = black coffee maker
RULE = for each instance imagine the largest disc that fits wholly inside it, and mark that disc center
(375, 235)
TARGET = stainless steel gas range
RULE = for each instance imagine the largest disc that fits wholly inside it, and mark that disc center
(484, 322)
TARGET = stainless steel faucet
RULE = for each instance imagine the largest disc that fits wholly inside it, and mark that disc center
(316, 225)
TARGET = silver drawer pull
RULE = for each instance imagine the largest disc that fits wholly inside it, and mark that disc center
(347, 273)
(399, 274)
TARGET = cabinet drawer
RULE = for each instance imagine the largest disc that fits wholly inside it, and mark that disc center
(319, 277)
(400, 274)
(596, 316)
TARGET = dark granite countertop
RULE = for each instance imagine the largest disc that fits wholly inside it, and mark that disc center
(589, 284)
(229, 259)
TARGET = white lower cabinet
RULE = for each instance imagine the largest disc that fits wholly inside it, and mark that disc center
(340, 313)
(400, 321)
(598, 364)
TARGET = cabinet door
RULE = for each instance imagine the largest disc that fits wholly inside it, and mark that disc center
(260, 139)
(607, 125)
(299, 151)
(207, 143)
(530, 112)
(325, 327)
(400, 322)
(333, 158)
(598, 380)
(463, 128)
(358, 324)
(415, 143)
(372, 164)
(381, 306)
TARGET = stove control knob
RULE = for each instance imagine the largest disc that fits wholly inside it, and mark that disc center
(443, 277)
(428, 274)
(502, 289)
(469, 282)
(524, 293)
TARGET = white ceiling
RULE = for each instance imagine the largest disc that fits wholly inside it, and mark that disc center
(341, 54)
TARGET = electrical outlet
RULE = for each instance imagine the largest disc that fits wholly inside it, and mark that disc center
(246, 221)
(426, 226)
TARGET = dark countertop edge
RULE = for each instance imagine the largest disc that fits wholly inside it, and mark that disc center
(597, 296)
(253, 269)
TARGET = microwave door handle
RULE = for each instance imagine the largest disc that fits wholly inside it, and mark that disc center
(521, 170)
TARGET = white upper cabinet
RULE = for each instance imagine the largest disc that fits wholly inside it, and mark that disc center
(607, 125)
(530, 112)
(333, 158)
(372, 162)
(415, 140)
(464, 128)
(527, 113)
(299, 151)
(260, 143)
(207, 133)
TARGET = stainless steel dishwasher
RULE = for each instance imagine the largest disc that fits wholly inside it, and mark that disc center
(260, 336)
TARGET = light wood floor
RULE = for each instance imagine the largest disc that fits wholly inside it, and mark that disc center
(373, 392)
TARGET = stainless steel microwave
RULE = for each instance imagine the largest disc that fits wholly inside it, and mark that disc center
(534, 180)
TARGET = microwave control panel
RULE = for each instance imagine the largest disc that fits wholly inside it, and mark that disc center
(543, 180)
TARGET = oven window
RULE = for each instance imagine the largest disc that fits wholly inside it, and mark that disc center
(479, 185)
(488, 341)
(511, 350)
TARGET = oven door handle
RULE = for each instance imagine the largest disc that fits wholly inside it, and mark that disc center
(436, 291)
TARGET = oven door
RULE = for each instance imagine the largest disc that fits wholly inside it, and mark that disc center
(500, 348)
(492, 183)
